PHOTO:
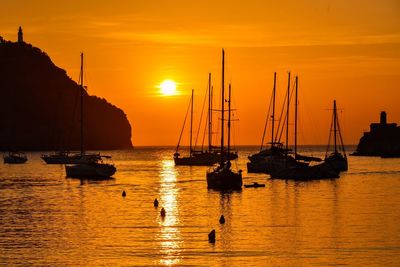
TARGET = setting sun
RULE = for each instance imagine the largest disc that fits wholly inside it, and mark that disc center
(168, 88)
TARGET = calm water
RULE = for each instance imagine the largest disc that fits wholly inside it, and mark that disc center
(46, 219)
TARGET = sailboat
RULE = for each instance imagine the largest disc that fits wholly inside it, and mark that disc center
(223, 177)
(195, 158)
(336, 159)
(277, 153)
(201, 157)
(89, 166)
(300, 169)
(259, 162)
(63, 156)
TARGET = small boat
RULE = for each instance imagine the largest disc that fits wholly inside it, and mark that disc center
(91, 166)
(15, 158)
(254, 184)
(337, 160)
(223, 177)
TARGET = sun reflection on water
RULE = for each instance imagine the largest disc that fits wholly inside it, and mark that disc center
(169, 235)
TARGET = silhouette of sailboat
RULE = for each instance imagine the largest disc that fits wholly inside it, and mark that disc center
(63, 156)
(337, 160)
(259, 162)
(222, 177)
(89, 165)
(277, 153)
(299, 168)
(201, 157)
(195, 158)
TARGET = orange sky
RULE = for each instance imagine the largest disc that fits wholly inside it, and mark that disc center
(347, 50)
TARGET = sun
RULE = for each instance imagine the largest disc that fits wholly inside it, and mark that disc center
(168, 88)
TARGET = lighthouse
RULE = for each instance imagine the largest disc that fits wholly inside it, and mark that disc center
(20, 35)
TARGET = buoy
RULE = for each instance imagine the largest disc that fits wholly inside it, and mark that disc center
(155, 203)
(123, 194)
(162, 212)
(211, 237)
(222, 219)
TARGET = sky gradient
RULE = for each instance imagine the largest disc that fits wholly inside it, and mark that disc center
(343, 50)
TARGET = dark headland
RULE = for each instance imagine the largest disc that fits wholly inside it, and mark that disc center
(382, 140)
(40, 106)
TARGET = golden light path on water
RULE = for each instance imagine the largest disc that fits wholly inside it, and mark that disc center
(169, 235)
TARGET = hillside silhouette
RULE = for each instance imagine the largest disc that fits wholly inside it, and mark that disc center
(40, 106)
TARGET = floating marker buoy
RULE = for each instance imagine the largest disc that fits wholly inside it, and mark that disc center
(222, 219)
(162, 212)
(123, 194)
(155, 203)
(211, 237)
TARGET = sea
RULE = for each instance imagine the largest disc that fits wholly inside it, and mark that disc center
(47, 219)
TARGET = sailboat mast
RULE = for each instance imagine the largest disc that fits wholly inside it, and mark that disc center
(334, 125)
(209, 112)
(287, 114)
(191, 124)
(222, 107)
(273, 111)
(82, 89)
(295, 120)
(229, 121)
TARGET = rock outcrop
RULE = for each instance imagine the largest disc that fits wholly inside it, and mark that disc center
(40, 106)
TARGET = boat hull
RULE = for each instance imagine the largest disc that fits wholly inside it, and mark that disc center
(15, 159)
(337, 162)
(305, 173)
(197, 160)
(203, 159)
(224, 179)
(69, 159)
(269, 163)
(99, 170)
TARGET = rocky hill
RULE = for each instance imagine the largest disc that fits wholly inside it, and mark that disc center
(40, 106)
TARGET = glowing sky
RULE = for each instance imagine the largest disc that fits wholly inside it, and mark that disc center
(343, 50)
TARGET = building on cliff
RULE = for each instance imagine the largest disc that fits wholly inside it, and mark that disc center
(382, 140)
(20, 35)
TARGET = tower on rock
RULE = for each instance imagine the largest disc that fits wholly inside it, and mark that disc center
(20, 35)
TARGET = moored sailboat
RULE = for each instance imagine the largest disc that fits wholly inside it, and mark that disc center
(276, 154)
(195, 158)
(89, 165)
(202, 157)
(300, 169)
(223, 177)
(337, 159)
